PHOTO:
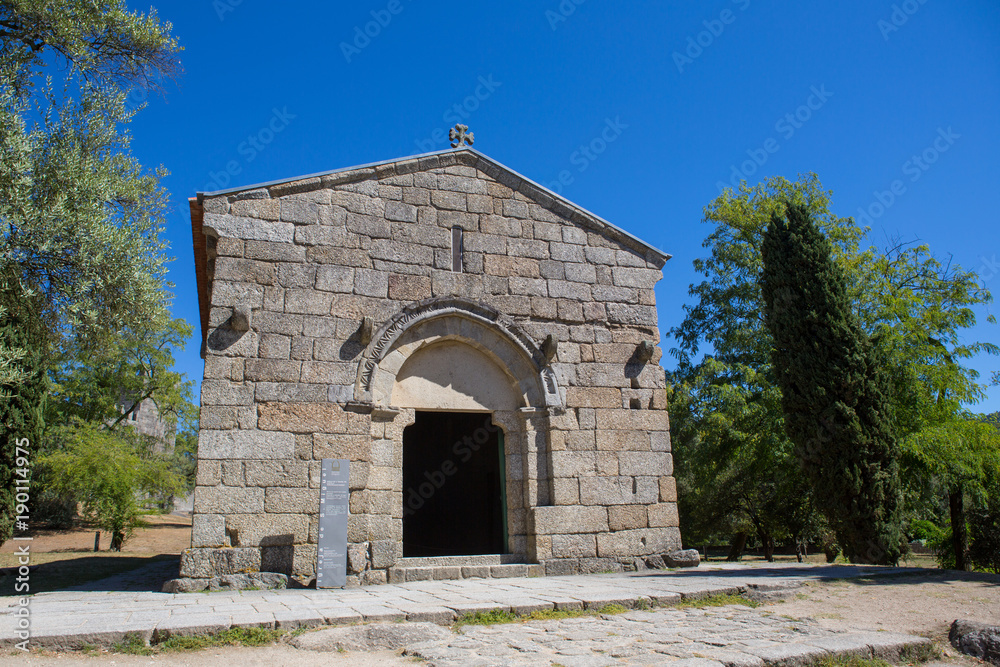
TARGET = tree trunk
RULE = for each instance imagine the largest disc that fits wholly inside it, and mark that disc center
(736, 547)
(767, 544)
(117, 540)
(959, 534)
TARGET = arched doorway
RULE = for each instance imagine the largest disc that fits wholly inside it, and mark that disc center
(454, 463)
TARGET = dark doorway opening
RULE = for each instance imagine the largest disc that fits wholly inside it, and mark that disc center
(453, 485)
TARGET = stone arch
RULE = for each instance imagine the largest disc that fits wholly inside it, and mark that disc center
(427, 324)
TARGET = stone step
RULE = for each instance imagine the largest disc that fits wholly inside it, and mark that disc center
(461, 567)
(447, 561)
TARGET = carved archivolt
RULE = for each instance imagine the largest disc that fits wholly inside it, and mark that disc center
(386, 339)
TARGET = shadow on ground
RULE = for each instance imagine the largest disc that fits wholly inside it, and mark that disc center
(858, 574)
(98, 573)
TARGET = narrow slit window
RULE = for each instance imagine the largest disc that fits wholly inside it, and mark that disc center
(456, 249)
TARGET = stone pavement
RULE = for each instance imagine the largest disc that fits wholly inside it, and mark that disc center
(736, 636)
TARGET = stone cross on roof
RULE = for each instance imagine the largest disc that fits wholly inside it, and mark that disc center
(460, 135)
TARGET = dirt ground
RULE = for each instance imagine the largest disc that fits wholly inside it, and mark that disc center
(923, 604)
(166, 534)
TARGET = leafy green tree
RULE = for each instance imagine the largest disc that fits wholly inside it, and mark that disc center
(111, 473)
(736, 468)
(724, 390)
(80, 216)
(834, 392)
(22, 394)
(103, 381)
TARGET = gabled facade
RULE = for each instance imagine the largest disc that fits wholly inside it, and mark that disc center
(483, 351)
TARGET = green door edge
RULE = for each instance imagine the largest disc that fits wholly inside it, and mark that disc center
(503, 490)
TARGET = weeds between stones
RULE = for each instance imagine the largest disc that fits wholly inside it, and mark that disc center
(135, 644)
(499, 616)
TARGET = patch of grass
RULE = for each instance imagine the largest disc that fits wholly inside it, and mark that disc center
(850, 661)
(612, 609)
(135, 645)
(723, 600)
(132, 644)
(491, 617)
(556, 614)
(919, 654)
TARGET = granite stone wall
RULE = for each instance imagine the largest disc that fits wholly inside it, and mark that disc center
(294, 269)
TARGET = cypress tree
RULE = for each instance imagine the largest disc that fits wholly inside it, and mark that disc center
(21, 399)
(834, 390)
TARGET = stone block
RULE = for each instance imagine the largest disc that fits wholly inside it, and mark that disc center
(209, 473)
(565, 491)
(450, 201)
(593, 397)
(627, 517)
(277, 473)
(232, 473)
(317, 417)
(331, 278)
(281, 500)
(400, 212)
(208, 530)
(207, 563)
(409, 288)
(640, 542)
(342, 446)
(664, 515)
(668, 490)
(272, 370)
(619, 313)
(286, 392)
(385, 553)
(573, 463)
(569, 519)
(401, 253)
(619, 490)
(447, 283)
(245, 445)
(308, 302)
(271, 530)
(616, 441)
(645, 463)
(371, 283)
(574, 546)
(218, 392)
(274, 346)
(368, 225)
(227, 500)
(249, 229)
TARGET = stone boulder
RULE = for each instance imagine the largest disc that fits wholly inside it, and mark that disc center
(228, 582)
(976, 639)
(682, 558)
(373, 637)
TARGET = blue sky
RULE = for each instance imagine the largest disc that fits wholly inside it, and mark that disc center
(635, 110)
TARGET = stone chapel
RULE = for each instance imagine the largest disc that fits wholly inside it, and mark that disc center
(483, 352)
